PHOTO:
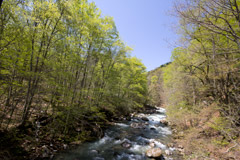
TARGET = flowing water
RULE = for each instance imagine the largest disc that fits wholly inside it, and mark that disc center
(128, 140)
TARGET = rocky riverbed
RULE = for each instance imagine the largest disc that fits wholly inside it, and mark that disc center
(144, 136)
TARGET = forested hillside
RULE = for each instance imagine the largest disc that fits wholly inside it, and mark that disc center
(156, 86)
(202, 84)
(63, 72)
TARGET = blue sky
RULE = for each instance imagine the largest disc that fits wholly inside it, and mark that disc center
(146, 26)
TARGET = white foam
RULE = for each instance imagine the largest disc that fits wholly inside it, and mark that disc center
(162, 110)
(121, 141)
(118, 142)
(122, 125)
(139, 148)
(156, 117)
(158, 144)
(102, 141)
(128, 156)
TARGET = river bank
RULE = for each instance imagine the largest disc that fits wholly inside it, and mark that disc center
(200, 138)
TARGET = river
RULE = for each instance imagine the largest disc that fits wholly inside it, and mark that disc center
(128, 140)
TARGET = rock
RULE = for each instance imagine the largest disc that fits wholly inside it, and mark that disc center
(180, 146)
(134, 125)
(152, 144)
(181, 151)
(65, 146)
(154, 153)
(126, 144)
(45, 155)
(133, 114)
(128, 118)
(174, 131)
(137, 125)
(75, 143)
(51, 156)
(94, 152)
(45, 149)
(167, 152)
(78, 129)
(46, 152)
(117, 138)
(145, 119)
(153, 129)
(181, 134)
(164, 121)
(170, 145)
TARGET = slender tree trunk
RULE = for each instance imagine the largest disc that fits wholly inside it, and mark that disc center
(30, 81)
(1, 1)
(85, 72)
(13, 107)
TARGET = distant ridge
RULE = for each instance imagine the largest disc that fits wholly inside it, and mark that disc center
(163, 65)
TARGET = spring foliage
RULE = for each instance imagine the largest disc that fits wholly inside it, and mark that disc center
(64, 59)
(205, 70)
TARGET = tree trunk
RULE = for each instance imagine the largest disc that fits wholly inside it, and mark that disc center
(1, 1)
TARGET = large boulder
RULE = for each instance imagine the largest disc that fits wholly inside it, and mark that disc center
(145, 119)
(154, 153)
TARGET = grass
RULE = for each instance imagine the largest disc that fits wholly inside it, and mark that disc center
(202, 135)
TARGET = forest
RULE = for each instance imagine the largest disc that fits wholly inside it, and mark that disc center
(64, 71)
(66, 75)
(201, 86)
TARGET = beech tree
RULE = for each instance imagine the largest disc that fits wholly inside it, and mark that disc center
(64, 60)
